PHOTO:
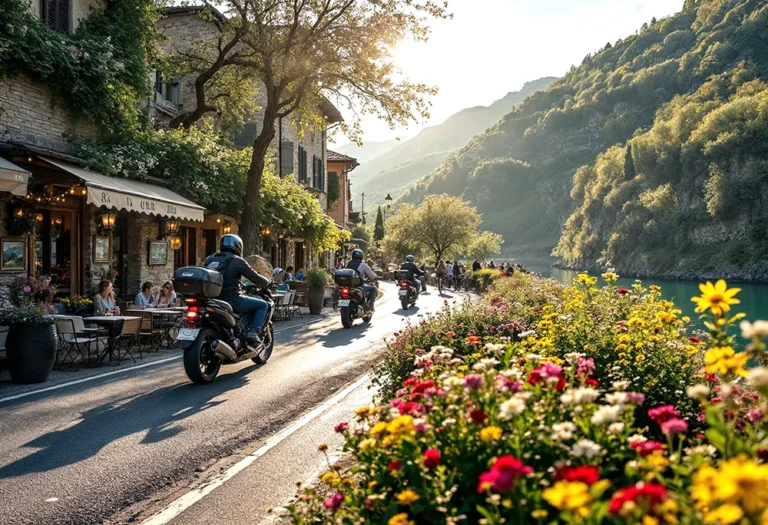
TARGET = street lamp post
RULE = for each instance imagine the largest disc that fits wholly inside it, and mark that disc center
(388, 201)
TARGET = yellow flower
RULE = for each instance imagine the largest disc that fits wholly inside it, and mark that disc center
(724, 514)
(379, 428)
(539, 514)
(364, 412)
(490, 434)
(657, 461)
(569, 495)
(330, 478)
(624, 338)
(400, 519)
(367, 444)
(716, 298)
(666, 317)
(407, 497)
(739, 482)
(724, 360)
(401, 425)
(610, 277)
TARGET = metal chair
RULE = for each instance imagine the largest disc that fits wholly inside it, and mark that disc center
(130, 334)
(74, 342)
(150, 330)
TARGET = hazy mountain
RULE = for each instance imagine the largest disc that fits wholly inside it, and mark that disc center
(651, 156)
(369, 150)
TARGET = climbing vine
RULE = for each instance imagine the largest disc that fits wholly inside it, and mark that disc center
(100, 71)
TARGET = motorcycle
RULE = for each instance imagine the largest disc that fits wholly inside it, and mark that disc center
(213, 334)
(407, 290)
(352, 301)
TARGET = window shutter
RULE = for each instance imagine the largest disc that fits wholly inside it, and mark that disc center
(286, 158)
(56, 15)
(322, 175)
(314, 171)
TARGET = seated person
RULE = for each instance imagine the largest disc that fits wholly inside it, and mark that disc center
(414, 272)
(288, 275)
(166, 297)
(300, 274)
(144, 297)
(104, 300)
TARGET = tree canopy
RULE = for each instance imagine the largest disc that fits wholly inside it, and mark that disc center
(378, 230)
(485, 244)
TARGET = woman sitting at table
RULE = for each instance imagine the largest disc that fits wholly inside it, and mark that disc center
(144, 297)
(104, 301)
(167, 297)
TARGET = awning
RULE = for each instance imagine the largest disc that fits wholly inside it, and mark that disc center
(132, 195)
(13, 178)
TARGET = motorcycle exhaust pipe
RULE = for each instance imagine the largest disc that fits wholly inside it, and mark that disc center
(224, 350)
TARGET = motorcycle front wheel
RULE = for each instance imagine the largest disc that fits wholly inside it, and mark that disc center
(346, 317)
(201, 363)
(269, 345)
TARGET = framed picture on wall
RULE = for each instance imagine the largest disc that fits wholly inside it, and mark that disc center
(14, 254)
(158, 253)
(101, 251)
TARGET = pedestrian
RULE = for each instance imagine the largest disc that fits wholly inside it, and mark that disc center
(492, 266)
(476, 266)
(456, 274)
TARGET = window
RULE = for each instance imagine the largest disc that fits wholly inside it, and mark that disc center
(56, 15)
(246, 137)
(303, 165)
(168, 90)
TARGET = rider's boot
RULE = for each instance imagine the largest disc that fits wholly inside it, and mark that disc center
(254, 339)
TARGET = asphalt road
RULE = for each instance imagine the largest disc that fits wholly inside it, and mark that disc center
(117, 450)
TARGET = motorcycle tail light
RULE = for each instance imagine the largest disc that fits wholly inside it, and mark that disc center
(345, 293)
(193, 314)
(190, 300)
(403, 285)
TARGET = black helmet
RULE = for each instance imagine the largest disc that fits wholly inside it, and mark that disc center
(357, 255)
(410, 258)
(231, 243)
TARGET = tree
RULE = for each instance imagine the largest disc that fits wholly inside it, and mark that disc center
(629, 164)
(361, 233)
(485, 244)
(378, 230)
(334, 190)
(440, 225)
(397, 244)
(301, 54)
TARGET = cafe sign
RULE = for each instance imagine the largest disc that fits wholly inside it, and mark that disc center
(142, 204)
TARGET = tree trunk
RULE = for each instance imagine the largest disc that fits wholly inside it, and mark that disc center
(249, 229)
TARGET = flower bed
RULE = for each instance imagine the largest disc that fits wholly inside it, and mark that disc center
(487, 431)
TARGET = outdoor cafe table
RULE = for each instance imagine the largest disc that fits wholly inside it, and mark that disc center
(112, 322)
(165, 315)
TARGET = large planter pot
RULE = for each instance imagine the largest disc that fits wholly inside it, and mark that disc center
(31, 350)
(316, 297)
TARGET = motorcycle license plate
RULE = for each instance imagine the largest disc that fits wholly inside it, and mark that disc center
(187, 334)
(403, 292)
(343, 302)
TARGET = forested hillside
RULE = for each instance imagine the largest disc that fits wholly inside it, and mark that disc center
(651, 156)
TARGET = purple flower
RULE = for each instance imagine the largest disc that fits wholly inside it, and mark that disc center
(473, 381)
(674, 426)
(755, 414)
(586, 367)
(27, 289)
(335, 501)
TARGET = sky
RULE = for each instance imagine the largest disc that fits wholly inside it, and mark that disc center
(491, 47)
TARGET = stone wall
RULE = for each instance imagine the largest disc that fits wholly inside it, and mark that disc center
(141, 230)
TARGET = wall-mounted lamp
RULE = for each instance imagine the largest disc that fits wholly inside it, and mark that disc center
(39, 217)
(227, 227)
(18, 212)
(266, 231)
(172, 226)
(57, 221)
(175, 242)
(108, 221)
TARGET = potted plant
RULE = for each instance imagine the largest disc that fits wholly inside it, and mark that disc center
(31, 343)
(316, 280)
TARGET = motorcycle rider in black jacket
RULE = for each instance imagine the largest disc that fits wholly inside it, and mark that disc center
(415, 272)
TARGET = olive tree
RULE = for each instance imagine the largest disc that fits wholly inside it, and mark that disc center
(485, 244)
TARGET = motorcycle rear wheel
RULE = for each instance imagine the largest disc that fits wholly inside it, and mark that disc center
(201, 363)
(404, 302)
(346, 317)
(266, 351)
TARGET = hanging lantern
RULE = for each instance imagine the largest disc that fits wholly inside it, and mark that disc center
(18, 212)
(227, 229)
(39, 217)
(175, 242)
(172, 226)
(57, 221)
(108, 221)
(266, 231)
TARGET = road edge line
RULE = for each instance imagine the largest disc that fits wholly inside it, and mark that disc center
(181, 504)
(130, 368)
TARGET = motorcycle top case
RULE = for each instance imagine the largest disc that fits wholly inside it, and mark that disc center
(346, 277)
(196, 280)
(403, 275)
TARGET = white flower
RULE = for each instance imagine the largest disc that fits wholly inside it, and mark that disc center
(616, 398)
(616, 428)
(636, 438)
(495, 347)
(512, 407)
(448, 422)
(757, 329)
(606, 414)
(573, 357)
(418, 372)
(512, 373)
(579, 396)
(533, 358)
(586, 448)
(703, 450)
(529, 333)
(697, 391)
(563, 431)
(485, 364)
(758, 376)
(453, 381)
(620, 385)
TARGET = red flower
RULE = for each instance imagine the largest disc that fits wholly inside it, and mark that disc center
(694, 340)
(411, 408)
(422, 386)
(474, 340)
(477, 416)
(503, 474)
(341, 427)
(546, 372)
(432, 458)
(622, 291)
(645, 448)
(663, 413)
(452, 334)
(588, 474)
(335, 501)
(644, 495)
(395, 465)
(591, 382)
(410, 381)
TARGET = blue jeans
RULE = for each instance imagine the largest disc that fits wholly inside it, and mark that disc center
(247, 304)
(370, 291)
(417, 280)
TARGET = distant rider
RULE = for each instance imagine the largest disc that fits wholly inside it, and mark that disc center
(361, 267)
(415, 273)
(230, 263)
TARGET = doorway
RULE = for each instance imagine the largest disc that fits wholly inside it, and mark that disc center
(56, 253)
(187, 254)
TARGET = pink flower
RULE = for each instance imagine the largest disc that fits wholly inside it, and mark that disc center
(646, 448)
(505, 384)
(503, 474)
(27, 289)
(548, 373)
(674, 426)
(635, 398)
(755, 414)
(341, 427)
(586, 367)
(474, 381)
(663, 413)
(335, 501)
(432, 458)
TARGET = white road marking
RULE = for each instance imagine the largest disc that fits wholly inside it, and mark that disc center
(124, 370)
(190, 498)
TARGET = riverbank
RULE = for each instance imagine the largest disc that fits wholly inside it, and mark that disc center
(757, 274)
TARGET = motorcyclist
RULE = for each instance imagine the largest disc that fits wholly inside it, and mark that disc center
(415, 273)
(230, 263)
(361, 267)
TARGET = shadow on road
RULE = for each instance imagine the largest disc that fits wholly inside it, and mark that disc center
(410, 312)
(343, 336)
(157, 412)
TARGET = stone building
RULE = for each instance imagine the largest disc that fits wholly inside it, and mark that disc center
(73, 225)
(302, 154)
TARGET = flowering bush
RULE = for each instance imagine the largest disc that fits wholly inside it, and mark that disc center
(502, 435)
(28, 290)
(28, 313)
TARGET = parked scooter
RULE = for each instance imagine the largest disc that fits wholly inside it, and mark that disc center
(213, 334)
(407, 288)
(352, 301)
